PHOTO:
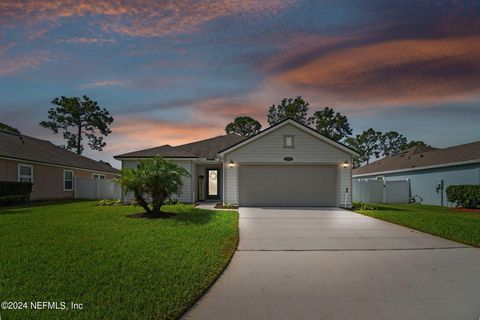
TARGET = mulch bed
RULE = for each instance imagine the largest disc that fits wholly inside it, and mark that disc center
(143, 215)
(221, 206)
(465, 210)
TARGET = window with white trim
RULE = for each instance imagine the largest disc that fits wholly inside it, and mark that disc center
(98, 176)
(67, 180)
(288, 141)
(25, 173)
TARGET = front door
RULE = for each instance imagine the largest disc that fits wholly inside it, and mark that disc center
(212, 184)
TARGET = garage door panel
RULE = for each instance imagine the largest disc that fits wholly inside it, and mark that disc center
(288, 185)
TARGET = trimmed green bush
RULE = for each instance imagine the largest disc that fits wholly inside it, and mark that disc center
(12, 192)
(464, 195)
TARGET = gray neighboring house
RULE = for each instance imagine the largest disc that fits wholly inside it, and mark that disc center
(288, 164)
(428, 169)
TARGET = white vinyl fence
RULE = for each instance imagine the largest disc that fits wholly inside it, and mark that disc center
(97, 189)
(381, 191)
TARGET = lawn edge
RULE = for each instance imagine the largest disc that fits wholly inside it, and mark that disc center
(416, 229)
(190, 306)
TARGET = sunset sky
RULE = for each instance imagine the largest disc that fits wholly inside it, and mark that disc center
(178, 71)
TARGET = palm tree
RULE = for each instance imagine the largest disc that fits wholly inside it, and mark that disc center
(152, 183)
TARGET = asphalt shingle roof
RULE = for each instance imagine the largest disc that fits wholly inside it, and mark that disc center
(22, 147)
(207, 148)
(418, 157)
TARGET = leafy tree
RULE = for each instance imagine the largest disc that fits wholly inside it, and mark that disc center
(243, 126)
(367, 145)
(78, 118)
(391, 142)
(5, 126)
(154, 181)
(296, 109)
(331, 124)
(414, 143)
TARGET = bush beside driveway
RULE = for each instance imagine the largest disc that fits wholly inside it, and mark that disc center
(443, 222)
(116, 267)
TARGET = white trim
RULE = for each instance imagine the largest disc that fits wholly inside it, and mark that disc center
(55, 165)
(298, 126)
(450, 164)
(64, 171)
(24, 165)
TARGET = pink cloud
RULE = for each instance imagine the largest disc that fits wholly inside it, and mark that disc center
(148, 18)
(391, 72)
(103, 83)
(81, 41)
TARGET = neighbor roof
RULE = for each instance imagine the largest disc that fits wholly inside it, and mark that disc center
(421, 157)
(207, 148)
(22, 147)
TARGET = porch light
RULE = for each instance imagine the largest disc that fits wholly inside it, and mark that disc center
(231, 164)
(345, 164)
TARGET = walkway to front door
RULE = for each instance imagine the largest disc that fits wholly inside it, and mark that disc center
(336, 264)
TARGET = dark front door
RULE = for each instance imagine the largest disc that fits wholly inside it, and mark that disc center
(213, 187)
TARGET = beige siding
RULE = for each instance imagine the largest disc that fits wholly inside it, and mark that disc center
(187, 190)
(269, 149)
(47, 179)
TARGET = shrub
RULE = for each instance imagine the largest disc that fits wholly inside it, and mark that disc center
(15, 199)
(13, 192)
(464, 195)
(114, 203)
(365, 206)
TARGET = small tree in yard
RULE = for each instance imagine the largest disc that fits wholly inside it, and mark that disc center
(154, 181)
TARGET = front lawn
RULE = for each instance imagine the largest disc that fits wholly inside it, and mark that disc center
(458, 226)
(116, 267)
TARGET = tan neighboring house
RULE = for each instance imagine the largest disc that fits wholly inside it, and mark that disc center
(51, 168)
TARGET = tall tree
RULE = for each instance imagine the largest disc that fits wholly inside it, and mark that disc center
(331, 124)
(391, 142)
(367, 145)
(414, 143)
(77, 118)
(243, 126)
(5, 126)
(296, 109)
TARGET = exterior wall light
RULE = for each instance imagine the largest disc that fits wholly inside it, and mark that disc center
(231, 164)
(346, 164)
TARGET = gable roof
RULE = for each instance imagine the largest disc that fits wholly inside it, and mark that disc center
(205, 149)
(298, 125)
(417, 158)
(22, 147)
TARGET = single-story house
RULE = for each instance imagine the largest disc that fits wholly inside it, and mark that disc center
(429, 170)
(288, 164)
(51, 168)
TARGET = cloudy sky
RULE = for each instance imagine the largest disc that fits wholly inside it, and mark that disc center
(176, 71)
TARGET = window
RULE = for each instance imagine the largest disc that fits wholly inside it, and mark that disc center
(25, 173)
(98, 176)
(67, 180)
(379, 177)
(288, 141)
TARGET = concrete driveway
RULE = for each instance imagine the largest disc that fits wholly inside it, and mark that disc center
(312, 263)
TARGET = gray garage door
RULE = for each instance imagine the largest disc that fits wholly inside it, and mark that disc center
(287, 185)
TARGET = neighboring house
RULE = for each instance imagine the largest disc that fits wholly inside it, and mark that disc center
(429, 170)
(288, 164)
(51, 168)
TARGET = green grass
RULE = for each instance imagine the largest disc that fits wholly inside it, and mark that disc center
(117, 267)
(458, 226)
